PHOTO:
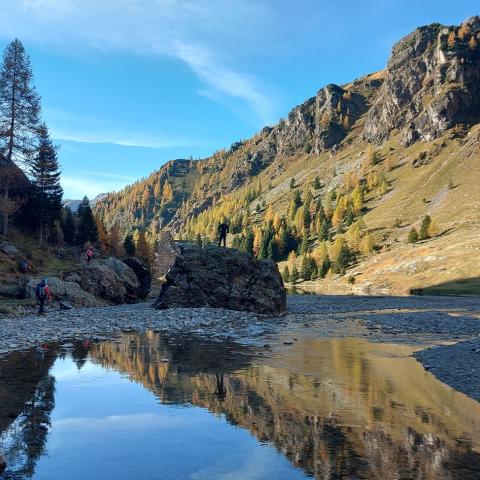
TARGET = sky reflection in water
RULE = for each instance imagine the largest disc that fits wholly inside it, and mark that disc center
(150, 407)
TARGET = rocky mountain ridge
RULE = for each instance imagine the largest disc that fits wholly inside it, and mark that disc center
(422, 110)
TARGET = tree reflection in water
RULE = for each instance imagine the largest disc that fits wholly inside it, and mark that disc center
(337, 408)
(26, 402)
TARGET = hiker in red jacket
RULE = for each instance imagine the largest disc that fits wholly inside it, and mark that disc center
(89, 254)
(43, 294)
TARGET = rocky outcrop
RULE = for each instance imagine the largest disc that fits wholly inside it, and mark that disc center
(223, 278)
(165, 254)
(9, 249)
(432, 84)
(111, 280)
(126, 273)
(143, 275)
(62, 290)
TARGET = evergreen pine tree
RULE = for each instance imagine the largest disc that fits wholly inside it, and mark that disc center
(309, 267)
(324, 266)
(19, 117)
(316, 184)
(249, 239)
(295, 203)
(342, 256)
(307, 218)
(286, 274)
(129, 245)
(68, 226)
(305, 245)
(294, 275)
(424, 232)
(266, 248)
(412, 236)
(45, 173)
(324, 229)
(87, 229)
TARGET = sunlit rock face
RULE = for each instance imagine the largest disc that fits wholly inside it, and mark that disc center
(432, 83)
(223, 278)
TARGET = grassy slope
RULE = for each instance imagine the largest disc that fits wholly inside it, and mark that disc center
(446, 260)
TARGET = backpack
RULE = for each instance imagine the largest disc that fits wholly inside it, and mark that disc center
(40, 291)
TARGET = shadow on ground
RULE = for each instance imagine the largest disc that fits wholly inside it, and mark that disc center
(459, 286)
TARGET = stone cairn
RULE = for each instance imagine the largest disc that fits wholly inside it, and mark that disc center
(166, 253)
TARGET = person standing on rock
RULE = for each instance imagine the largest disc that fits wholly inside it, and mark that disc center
(43, 294)
(89, 254)
(223, 229)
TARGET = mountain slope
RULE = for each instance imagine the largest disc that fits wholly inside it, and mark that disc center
(371, 158)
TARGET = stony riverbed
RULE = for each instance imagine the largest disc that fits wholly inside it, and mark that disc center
(422, 321)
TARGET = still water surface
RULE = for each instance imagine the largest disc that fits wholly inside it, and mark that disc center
(153, 407)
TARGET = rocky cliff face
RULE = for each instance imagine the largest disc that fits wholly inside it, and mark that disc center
(432, 84)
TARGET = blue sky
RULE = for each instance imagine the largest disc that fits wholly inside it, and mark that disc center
(129, 84)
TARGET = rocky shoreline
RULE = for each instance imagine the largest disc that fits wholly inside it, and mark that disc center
(423, 321)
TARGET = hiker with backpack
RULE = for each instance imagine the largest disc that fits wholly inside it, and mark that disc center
(43, 294)
(89, 254)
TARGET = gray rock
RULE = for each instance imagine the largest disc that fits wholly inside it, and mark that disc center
(223, 278)
(64, 305)
(430, 86)
(9, 249)
(126, 273)
(65, 291)
(101, 281)
(73, 277)
(111, 280)
(143, 274)
(14, 289)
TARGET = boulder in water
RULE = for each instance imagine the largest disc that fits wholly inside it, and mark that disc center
(223, 278)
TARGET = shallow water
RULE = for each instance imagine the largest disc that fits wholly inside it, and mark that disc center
(155, 407)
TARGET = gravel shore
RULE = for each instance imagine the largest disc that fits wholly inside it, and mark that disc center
(424, 321)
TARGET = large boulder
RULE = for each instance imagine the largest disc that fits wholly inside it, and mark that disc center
(223, 278)
(101, 280)
(9, 249)
(126, 273)
(65, 291)
(143, 274)
(13, 287)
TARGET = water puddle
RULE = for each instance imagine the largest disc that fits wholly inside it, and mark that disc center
(156, 407)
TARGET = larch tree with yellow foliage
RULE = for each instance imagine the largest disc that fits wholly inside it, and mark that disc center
(452, 39)
(103, 239)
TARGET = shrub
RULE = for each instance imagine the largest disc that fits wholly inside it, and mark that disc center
(412, 236)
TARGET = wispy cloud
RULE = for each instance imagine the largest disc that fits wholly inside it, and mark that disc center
(114, 139)
(89, 129)
(200, 33)
(93, 183)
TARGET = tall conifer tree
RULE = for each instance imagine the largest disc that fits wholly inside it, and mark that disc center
(87, 229)
(45, 173)
(19, 117)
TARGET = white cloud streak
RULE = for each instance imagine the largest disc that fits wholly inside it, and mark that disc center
(93, 183)
(200, 33)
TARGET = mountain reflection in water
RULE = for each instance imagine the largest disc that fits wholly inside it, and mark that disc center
(341, 408)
